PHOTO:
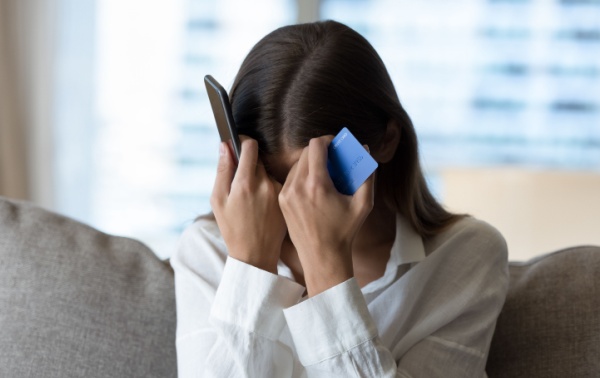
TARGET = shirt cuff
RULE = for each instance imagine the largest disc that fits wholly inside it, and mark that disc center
(254, 299)
(330, 323)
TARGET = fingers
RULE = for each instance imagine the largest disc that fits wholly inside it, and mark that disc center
(317, 156)
(248, 158)
(366, 192)
(300, 168)
(364, 198)
(226, 168)
(225, 173)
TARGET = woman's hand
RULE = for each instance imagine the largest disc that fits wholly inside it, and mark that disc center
(322, 222)
(245, 204)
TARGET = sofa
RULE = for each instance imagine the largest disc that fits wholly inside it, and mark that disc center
(76, 302)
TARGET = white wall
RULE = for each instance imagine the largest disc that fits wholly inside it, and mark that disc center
(537, 211)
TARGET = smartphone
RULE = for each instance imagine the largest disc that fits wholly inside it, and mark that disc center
(219, 101)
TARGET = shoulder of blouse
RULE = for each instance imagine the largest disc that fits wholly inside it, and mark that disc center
(203, 230)
(469, 236)
(207, 222)
(198, 242)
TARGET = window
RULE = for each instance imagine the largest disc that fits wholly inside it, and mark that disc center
(486, 83)
(491, 82)
(147, 147)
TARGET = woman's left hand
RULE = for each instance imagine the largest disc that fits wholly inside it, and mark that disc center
(322, 222)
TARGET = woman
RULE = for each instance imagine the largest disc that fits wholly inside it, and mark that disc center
(290, 278)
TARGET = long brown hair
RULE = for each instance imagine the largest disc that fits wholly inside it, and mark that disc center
(308, 80)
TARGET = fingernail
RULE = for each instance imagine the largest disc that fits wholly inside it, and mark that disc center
(222, 149)
(367, 148)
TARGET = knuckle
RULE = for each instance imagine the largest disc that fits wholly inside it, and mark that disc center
(317, 142)
(294, 191)
(315, 187)
(249, 143)
(305, 151)
(282, 199)
(287, 194)
(244, 187)
(325, 139)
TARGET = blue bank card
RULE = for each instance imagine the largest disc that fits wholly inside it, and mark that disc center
(348, 162)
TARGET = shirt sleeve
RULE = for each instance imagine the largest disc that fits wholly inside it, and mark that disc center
(229, 314)
(335, 335)
(437, 320)
(439, 324)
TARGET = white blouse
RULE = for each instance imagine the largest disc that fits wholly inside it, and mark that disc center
(432, 313)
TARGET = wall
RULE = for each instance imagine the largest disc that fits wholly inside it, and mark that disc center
(537, 211)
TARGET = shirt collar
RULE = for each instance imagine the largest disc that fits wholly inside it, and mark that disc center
(407, 248)
(408, 245)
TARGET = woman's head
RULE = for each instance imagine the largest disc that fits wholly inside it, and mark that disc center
(308, 80)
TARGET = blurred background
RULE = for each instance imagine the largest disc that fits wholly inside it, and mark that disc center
(104, 115)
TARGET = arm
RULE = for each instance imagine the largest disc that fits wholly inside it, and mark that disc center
(335, 335)
(333, 331)
(436, 321)
(228, 328)
(442, 324)
(446, 329)
(230, 309)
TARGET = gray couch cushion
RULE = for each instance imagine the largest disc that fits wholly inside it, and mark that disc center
(75, 302)
(550, 324)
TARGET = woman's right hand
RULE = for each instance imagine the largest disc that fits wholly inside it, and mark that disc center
(246, 207)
